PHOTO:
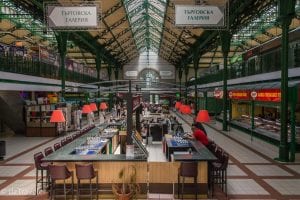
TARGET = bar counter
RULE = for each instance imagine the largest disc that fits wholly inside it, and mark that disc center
(153, 177)
(64, 154)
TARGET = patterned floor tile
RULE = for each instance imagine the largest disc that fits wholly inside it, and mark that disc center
(245, 187)
(234, 170)
(268, 170)
(285, 186)
(20, 187)
(8, 171)
(295, 168)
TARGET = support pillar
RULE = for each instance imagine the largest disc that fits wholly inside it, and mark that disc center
(225, 41)
(129, 115)
(186, 72)
(286, 13)
(62, 40)
(180, 78)
(196, 59)
(110, 96)
(98, 67)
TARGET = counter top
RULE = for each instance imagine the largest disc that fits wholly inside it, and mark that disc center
(64, 153)
(201, 153)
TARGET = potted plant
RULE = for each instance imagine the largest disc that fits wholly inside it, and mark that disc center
(128, 189)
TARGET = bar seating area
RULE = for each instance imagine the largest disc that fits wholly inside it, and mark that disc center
(218, 168)
(60, 173)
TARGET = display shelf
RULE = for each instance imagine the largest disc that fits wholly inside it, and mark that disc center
(38, 120)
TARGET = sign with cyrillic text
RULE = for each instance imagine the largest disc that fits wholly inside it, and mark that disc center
(197, 15)
(74, 17)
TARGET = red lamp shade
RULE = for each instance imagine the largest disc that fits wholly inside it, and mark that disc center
(203, 116)
(182, 108)
(103, 106)
(86, 109)
(178, 104)
(93, 107)
(187, 109)
(57, 116)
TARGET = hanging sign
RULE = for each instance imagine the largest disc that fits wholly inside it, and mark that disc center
(199, 15)
(136, 101)
(72, 17)
(239, 94)
(218, 94)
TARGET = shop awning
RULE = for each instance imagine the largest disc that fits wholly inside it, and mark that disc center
(266, 85)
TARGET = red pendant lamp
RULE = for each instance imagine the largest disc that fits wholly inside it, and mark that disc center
(203, 116)
(57, 116)
(182, 108)
(86, 109)
(187, 110)
(178, 104)
(93, 106)
(103, 106)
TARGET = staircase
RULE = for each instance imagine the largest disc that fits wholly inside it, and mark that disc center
(11, 111)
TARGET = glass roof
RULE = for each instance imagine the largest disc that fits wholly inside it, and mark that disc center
(23, 20)
(257, 26)
(146, 19)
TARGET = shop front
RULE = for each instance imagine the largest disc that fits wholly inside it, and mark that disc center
(256, 110)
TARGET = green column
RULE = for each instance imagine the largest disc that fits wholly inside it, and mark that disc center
(196, 59)
(98, 67)
(180, 77)
(225, 41)
(116, 71)
(293, 123)
(186, 72)
(109, 70)
(286, 13)
(252, 115)
(62, 40)
(205, 100)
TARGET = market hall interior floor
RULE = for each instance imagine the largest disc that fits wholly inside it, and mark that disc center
(252, 171)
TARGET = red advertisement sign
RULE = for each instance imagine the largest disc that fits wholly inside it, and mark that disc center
(239, 94)
(266, 95)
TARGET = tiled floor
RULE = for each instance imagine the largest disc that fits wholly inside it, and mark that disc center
(252, 172)
(245, 187)
(268, 170)
(285, 186)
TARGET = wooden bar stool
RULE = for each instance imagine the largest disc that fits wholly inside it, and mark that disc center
(86, 172)
(40, 166)
(48, 151)
(57, 173)
(57, 146)
(188, 169)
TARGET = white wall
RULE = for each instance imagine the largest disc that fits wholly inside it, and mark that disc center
(151, 61)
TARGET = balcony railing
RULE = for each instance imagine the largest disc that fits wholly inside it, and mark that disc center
(21, 65)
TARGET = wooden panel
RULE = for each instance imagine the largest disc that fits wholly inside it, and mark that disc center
(109, 171)
(161, 172)
(166, 172)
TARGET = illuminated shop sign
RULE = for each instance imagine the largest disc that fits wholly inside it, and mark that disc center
(273, 95)
(239, 94)
(266, 95)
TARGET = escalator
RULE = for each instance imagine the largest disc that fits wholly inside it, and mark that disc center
(11, 111)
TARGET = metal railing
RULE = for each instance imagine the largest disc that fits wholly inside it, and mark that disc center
(21, 65)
